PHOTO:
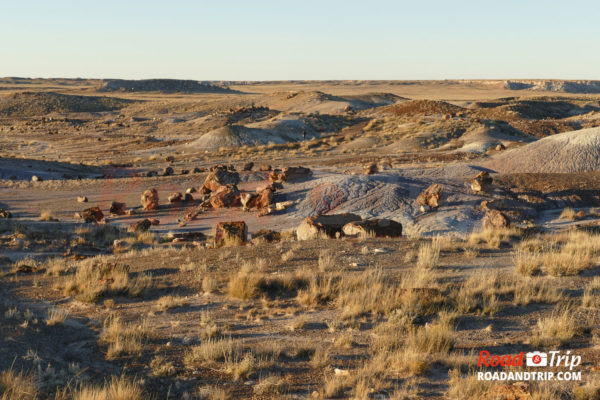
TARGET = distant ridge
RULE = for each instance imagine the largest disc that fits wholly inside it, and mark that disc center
(162, 85)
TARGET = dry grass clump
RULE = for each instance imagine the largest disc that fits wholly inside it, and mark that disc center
(271, 385)
(209, 284)
(249, 283)
(563, 254)
(123, 338)
(93, 280)
(212, 393)
(17, 386)
(162, 367)
(589, 391)
(480, 293)
(46, 216)
(468, 387)
(493, 238)
(326, 261)
(214, 350)
(535, 290)
(400, 347)
(168, 302)
(116, 389)
(591, 294)
(56, 316)
(568, 213)
(429, 255)
(556, 329)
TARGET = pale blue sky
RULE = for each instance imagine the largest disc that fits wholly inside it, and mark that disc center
(273, 40)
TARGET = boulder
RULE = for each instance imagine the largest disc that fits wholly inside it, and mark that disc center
(282, 205)
(329, 225)
(226, 196)
(193, 214)
(92, 214)
(373, 227)
(430, 197)
(5, 213)
(117, 208)
(229, 233)
(168, 171)
(149, 199)
(292, 173)
(140, 226)
(175, 197)
(248, 200)
(371, 169)
(495, 219)
(82, 199)
(264, 199)
(269, 185)
(219, 176)
(248, 166)
(481, 181)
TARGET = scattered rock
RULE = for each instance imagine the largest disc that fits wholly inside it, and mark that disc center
(5, 213)
(500, 147)
(140, 226)
(154, 221)
(197, 170)
(230, 233)
(117, 208)
(36, 178)
(82, 199)
(481, 181)
(248, 200)
(430, 197)
(170, 159)
(190, 190)
(150, 199)
(219, 176)
(282, 205)
(292, 173)
(193, 214)
(327, 225)
(92, 214)
(580, 214)
(168, 171)
(495, 219)
(175, 197)
(225, 196)
(264, 199)
(185, 172)
(373, 227)
(188, 197)
(150, 174)
(371, 169)
(248, 166)
(265, 167)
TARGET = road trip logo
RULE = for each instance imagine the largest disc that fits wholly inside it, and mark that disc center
(553, 365)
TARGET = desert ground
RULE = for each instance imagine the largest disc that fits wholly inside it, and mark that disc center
(167, 239)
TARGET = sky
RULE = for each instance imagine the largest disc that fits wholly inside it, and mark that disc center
(300, 40)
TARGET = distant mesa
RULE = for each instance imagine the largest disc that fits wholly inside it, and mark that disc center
(554, 86)
(28, 104)
(162, 85)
